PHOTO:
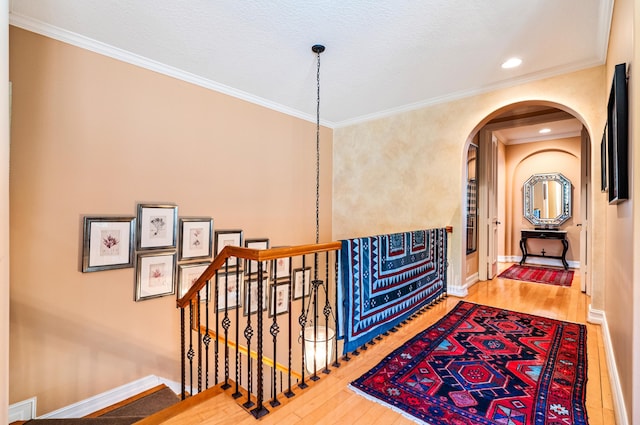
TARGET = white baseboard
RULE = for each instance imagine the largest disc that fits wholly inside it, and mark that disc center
(108, 398)
(23, 410)
(619, 408)
(471, 280)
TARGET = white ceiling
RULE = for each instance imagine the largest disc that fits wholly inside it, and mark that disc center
(381, 57)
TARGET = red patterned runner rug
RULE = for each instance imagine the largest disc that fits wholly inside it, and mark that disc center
(485, 365)
(546, 275)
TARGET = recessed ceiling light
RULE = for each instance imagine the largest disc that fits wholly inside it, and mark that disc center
(545, 131)
(512, 63)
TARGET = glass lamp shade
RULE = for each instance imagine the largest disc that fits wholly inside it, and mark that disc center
(318, 349)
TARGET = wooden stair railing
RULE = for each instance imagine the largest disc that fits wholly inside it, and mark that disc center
(206, 335)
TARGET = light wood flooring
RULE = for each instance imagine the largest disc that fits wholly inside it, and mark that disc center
(329, 401)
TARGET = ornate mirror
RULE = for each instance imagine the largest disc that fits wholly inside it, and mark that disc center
(547, 199)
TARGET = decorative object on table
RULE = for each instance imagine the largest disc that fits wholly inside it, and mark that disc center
(251, 266)
(485, 365)
(617, 136)
(155, 274)
(195, 238)
(387, 278)
(157, 226)
(108, 243)
(187, 276)
(228, 238)
(550, 276)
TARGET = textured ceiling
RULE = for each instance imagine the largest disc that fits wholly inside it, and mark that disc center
(381, 57)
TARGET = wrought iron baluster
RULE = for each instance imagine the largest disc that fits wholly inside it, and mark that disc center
(248, 334)
(274, 330)
(260, 410)
(198, 312)
(336, 363)
(225, 325)
(237, 393)
(206, 338)
(183, 361)
(302, 320)
(191, 352)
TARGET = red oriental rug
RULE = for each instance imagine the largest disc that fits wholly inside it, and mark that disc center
(546, 275)
(485, 365)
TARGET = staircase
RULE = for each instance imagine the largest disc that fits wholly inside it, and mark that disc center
(129, 411)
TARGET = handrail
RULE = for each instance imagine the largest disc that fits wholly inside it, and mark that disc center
(251, 254)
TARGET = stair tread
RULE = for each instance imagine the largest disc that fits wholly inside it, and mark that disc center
(101, 420)
(146, 405)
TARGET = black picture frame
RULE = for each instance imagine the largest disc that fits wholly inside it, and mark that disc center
(617, 137)
(603, 161)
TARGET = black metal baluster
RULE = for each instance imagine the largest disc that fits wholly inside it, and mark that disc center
(183, 360)
(225, 325)
(274, 330)
(199, 343)
(302, 320)
(237, 394)
(260, 410)
(248, 334)
(326, 311)
(289, 393)
(336, 363)
(190, 353)
(206, 338)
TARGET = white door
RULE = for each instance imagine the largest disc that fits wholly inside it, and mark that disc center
(585, 213)
(488, 206)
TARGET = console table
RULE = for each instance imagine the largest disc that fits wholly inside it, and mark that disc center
(560, 235)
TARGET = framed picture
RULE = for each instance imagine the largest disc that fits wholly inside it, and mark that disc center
(301, 282)
(280, 268)
(603, 161)
(251, 295)
(228, 238)
(617, 134)
(108, 243)
(187, 276)
(195, 238)
(279, 298)
(155, 273)
(250, 265)
(157, 226)
(229, 290)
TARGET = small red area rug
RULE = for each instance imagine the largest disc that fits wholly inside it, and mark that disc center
(546, 275)
(484, 365)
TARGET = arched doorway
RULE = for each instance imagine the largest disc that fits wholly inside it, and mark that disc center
(510, 138)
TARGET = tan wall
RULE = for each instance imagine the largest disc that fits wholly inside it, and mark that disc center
(95, 136)
(524, 160)
(413, 163)
(619, 307)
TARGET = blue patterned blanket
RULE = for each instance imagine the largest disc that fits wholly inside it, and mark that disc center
(385, 279)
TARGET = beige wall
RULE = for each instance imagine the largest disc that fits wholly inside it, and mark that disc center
(619, 253)
(524, 160)
(413, 162)
(95, 136)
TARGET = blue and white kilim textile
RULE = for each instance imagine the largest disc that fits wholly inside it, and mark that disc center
(385, 279)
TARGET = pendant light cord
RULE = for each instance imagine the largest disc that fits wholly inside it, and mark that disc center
(318, 51)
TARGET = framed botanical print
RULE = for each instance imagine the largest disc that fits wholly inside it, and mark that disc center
(155, 273)
(157, 224)
(187, 276)
(195, 238)
(301, 282)
(251, 266)
(229, 290)
(279, 298)
(108, 243)
(251, 295)
(225, 238)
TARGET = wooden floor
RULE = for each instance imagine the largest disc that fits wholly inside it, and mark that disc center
(329, 401)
